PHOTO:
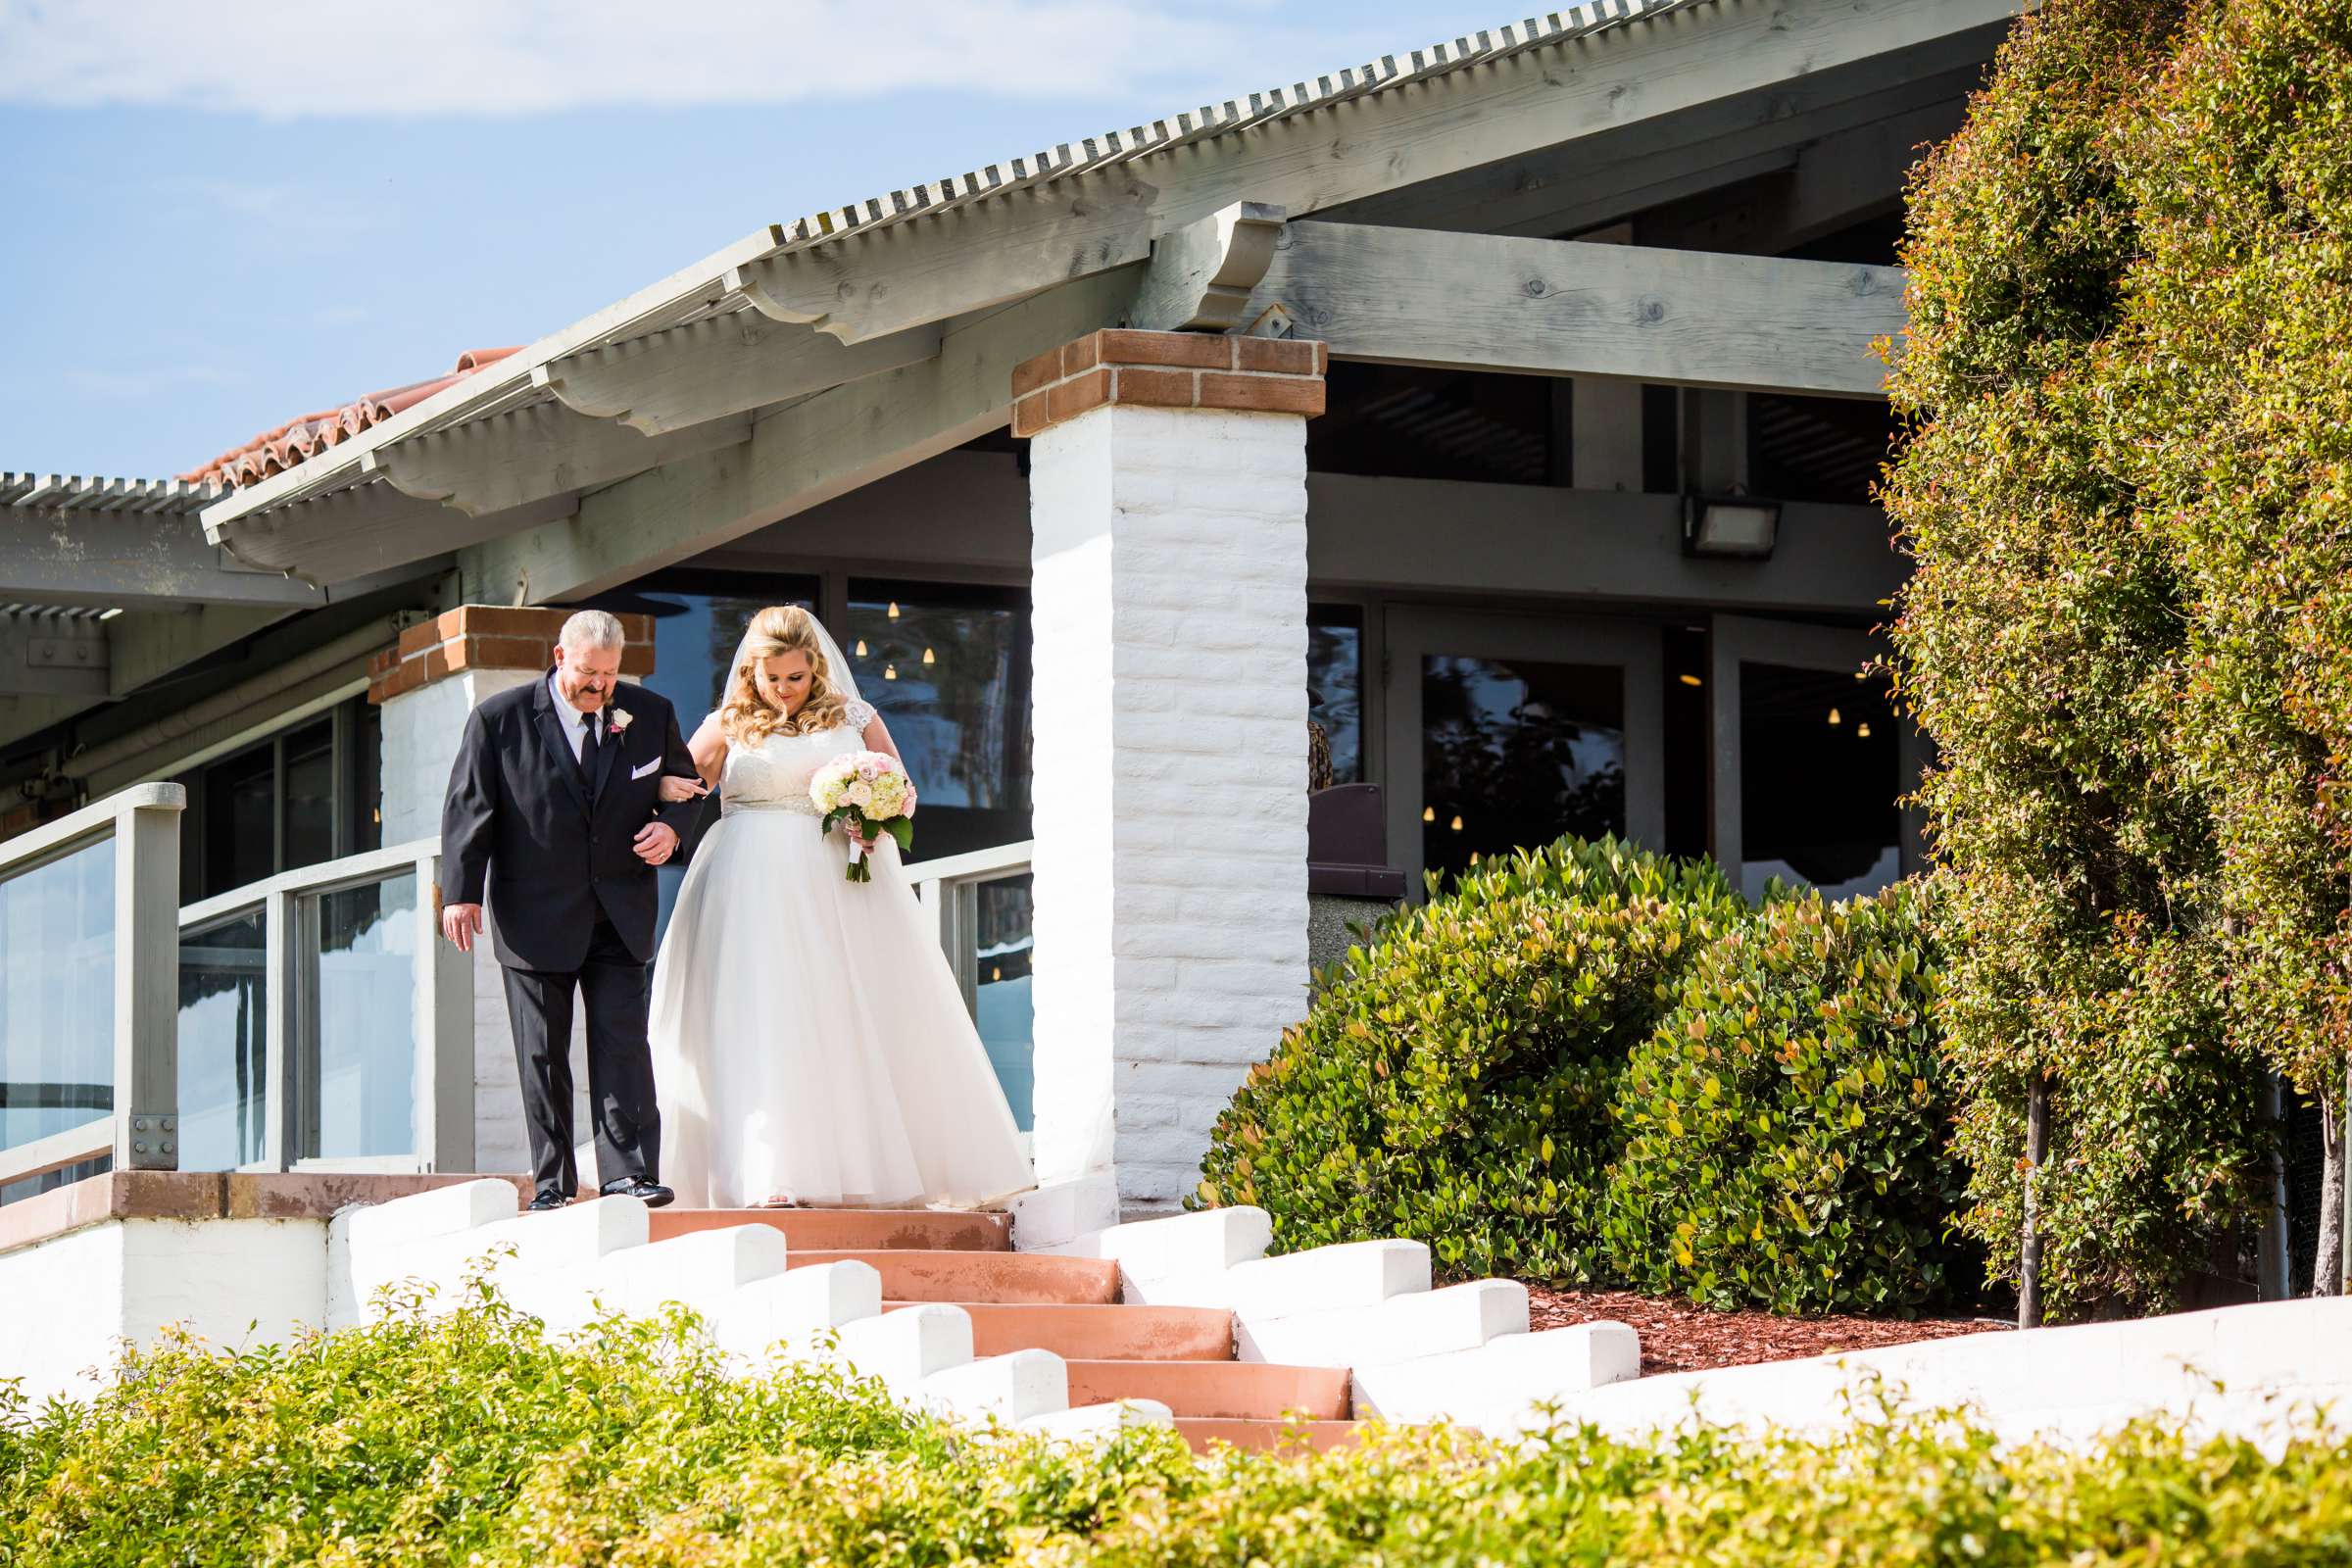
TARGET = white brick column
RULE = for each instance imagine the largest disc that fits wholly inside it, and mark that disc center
(438, 674)
(1168, 514)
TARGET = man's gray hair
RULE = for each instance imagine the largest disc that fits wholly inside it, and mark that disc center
(592, 628)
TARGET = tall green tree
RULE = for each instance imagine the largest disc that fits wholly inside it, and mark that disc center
(2240, 340)
(2129, 632)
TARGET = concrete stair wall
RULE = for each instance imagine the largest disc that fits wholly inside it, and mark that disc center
(1179, 1319)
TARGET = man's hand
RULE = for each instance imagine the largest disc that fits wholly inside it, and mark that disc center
(656, 843)
(460, 923)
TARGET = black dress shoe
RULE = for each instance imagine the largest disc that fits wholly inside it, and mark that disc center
(653, 1195)
(545, 1201)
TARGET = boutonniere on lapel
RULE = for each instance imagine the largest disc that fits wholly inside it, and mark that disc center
(620, 722)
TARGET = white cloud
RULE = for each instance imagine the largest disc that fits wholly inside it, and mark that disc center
(517, 57)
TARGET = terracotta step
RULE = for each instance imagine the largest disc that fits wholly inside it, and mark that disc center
(1100, 1333)
(1201, 1432)
(851, 1230)
(910, 1274)
(1229, 1390)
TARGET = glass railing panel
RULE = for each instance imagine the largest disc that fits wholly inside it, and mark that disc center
(57, 995)
(1002, 1007)
(359, 1086)
(224, 1043)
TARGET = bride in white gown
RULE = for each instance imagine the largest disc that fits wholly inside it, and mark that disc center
(810, 1046)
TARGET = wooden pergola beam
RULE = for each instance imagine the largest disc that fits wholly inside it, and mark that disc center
(368, 529)
(830, 444)
(720, 366)
(130, 560)
(871, 284)
(522, 457)
(1402, 296)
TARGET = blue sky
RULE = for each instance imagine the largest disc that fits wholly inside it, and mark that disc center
(217, 220)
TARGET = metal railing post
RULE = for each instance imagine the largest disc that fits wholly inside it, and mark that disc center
(444, 1037)
(147, 979)
(281, 979)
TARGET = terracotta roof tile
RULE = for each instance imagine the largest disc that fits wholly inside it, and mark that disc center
(309, 434)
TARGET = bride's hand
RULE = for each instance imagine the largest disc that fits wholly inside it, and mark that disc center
(676, 789)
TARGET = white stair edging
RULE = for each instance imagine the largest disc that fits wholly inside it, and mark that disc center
(794, 1311)
(1015, 1387)
(1402, 1328)
(1099, 1423)
(1499, 1386)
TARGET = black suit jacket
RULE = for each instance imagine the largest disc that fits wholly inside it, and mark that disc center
(520, 834)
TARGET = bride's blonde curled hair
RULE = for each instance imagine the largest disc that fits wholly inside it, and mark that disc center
(744, 716)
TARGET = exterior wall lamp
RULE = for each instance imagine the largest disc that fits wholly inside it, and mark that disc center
(1735, 526)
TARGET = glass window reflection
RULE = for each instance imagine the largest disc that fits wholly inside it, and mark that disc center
(360, 1086)
(57, 995)
(1335, 685)
(1515, 754)
(949, 669)
(1002, 1005)
(1819, 777)
(223, 1044)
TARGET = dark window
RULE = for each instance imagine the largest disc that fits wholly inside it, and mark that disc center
(1335, 685)
(1818, 780)
(947, 666)
(1687, 744)
(308, 794)
(1517, 753)
(1817, 448)
(1397, 421)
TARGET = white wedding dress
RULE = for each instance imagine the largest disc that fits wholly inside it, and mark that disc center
(809, 1043)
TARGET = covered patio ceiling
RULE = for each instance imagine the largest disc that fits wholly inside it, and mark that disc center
(815, 356)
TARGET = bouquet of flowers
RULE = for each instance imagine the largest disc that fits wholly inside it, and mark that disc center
(869, 791)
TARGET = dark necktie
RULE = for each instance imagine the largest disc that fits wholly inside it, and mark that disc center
(588, 745)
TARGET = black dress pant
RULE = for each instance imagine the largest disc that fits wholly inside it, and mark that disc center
(620, 1066)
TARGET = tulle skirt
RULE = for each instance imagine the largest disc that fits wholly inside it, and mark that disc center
(810, 1042)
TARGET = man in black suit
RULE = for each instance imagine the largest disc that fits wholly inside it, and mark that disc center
(554, 809)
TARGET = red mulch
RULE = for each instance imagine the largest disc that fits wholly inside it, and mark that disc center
(1676, 1337)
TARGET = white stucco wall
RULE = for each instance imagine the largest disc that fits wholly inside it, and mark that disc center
(1169, 586)
(71, 1302)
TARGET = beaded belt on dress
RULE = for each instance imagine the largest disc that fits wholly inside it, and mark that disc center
(800, 804)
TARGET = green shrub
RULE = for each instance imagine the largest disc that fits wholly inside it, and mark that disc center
(1784, 1128)
(1453, 1083)
(473, 1440)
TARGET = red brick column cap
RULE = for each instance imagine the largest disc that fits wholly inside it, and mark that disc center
(1169, 370)
(489, 637)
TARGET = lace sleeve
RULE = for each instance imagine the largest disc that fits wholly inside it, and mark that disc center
(857, 715)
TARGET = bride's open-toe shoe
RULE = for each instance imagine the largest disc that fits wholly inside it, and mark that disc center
(780, 1200)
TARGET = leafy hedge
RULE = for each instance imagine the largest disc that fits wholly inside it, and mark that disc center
(1456, 1086)
(472, 1440)
(1785, 1127)
(1589, 1063)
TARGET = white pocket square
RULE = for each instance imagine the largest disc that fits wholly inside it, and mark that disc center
(640, 772)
